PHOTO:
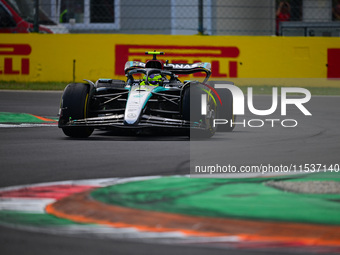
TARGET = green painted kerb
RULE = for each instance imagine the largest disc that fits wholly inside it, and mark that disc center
(233, 198)
(32, 219)
(8, 117)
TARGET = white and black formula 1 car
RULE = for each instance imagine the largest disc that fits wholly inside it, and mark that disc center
(152, 97)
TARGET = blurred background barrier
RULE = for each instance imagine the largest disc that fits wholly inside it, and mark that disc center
(178, 17)
(68, 57)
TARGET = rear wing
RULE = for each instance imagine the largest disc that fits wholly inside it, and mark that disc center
(177, 68)
(129, 65)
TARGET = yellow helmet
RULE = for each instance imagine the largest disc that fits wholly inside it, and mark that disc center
(154, 80)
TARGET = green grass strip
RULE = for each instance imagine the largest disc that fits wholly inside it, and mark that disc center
(11, 85)
(32, 219)
(315, 91)
(232, 198)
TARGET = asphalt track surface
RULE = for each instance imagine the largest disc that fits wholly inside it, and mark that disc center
(44, 154)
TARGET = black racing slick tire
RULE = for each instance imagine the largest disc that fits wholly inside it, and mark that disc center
(191, 109)
(225, 111)
(75, 105)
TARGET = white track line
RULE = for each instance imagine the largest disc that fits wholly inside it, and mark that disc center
(27, 125)
(32, 205)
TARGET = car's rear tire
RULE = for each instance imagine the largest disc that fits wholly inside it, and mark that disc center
(75, 105)
(191, 109)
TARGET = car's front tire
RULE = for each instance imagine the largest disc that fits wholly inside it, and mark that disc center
(225, 111)
(191, 108)
(75, 105)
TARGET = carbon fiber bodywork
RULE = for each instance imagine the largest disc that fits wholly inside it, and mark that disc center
(134, 103)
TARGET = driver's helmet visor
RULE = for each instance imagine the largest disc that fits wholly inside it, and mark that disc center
(153, 79)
